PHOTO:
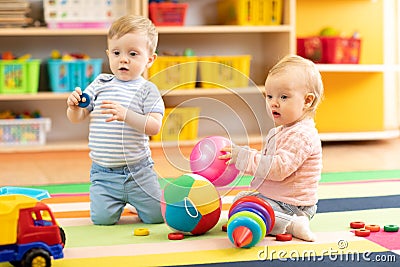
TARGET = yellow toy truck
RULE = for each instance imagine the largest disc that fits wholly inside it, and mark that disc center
(29, 234)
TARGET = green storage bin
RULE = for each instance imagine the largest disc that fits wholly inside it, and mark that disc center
(19, 76)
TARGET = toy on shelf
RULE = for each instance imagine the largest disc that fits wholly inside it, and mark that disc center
(7, 55)
(190, 204)
(205, 162)
(250, 220)
(55, 54)
(26, 128)
(23, 129)
(18, 74)
(330, 46)
(23, 239)
(70, 70)
(168, 13)
(8, 114)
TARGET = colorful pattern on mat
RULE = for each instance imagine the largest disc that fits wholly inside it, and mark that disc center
(363, 196)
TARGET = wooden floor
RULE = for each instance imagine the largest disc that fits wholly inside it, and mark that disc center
(39, 168)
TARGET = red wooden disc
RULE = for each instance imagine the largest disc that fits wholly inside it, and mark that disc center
(175, 236)
(362, 232)
(283, 237)
(357, 225)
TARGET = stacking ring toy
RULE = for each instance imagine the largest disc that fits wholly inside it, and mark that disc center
(357, 225)
(373, 227)
(391, 228)
(85, 100)
(254, 206)
(252, 216)
(250, 220)
(362, 232)
(260, 202)
(141, 232)
(246, 236)
(239, 209)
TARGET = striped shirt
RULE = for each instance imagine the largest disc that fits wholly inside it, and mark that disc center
(115, 143)
(290, 165)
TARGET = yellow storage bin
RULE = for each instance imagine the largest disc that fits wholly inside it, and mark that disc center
(250, 12)
(230, 72)
(174, 72)
(179, 124)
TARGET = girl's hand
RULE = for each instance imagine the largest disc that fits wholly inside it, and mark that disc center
(231, 154)
(74, 98)
(117, 111)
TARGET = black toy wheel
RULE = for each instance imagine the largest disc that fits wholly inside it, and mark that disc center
(36, 257)
(63, 236)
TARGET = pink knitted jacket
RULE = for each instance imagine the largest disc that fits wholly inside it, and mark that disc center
(289, 167)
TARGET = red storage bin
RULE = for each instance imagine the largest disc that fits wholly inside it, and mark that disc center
(168, 14)
(334, 50)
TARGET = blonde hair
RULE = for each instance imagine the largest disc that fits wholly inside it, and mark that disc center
(311, 72)
(135, 24)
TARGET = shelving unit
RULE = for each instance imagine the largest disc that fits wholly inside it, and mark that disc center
(223, 111)
(356, 68)
(189, 93)
(361, 100)
(363, 71)
(360, 103)
(42, 31)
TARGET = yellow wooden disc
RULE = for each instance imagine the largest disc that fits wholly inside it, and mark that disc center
(141, 231)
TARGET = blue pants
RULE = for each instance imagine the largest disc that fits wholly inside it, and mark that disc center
(112, 188)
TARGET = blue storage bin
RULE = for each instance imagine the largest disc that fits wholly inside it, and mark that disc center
(64, 76)
(90, 70)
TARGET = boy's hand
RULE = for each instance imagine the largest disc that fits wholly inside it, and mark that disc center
(117, 111)
(231, 154)
(74, 98)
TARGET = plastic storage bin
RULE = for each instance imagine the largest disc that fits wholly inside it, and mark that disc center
(24, 131)
(82, 13)
(64, 76)
(224, 71)
(334, 50)
(169, 72)
(168, 14)
(250, 12)
(179, 124)
(19, 76)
